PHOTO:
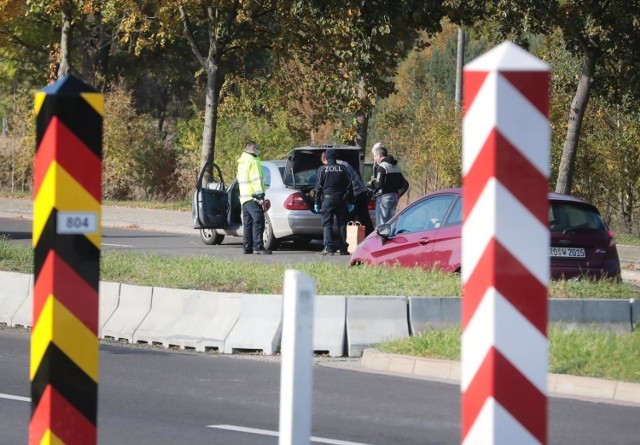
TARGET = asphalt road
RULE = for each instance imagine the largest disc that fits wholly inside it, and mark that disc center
(158, 396)
(179, 244)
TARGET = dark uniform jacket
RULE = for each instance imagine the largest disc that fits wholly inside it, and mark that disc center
(389, 178)
(333, 181)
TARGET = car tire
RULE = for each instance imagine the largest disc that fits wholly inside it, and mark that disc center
(269, 240)
(210, 237)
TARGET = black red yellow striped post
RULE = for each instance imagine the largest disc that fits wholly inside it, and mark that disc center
(66, 241)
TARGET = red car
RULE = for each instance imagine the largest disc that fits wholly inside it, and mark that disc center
(427, 234)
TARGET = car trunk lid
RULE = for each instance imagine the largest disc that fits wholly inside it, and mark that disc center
(303, 163)
(579, 237)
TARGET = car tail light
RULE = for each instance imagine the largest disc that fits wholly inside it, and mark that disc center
(295, 201)
(612, 239)
(372, 203)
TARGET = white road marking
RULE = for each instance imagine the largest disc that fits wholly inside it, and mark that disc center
(117, 245)
(10, 397)
(275, 434)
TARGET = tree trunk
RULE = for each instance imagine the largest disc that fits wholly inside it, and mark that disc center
(212, 95)
(211, 64)
(96, 52)
(574, 126)
(362, 122)
(65, 36)
(459, 67)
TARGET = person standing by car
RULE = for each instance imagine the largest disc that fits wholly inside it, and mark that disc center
(388, 183)
(361, 196)
(333, 197)
(252, 190)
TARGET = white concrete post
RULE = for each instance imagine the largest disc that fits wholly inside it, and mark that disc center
(505, 248)
(296, 377)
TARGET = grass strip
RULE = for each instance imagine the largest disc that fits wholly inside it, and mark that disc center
(211, 274)
(588, 353)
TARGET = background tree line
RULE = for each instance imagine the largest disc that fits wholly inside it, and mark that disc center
(188, 81)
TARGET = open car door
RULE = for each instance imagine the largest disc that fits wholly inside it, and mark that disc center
(210, 205)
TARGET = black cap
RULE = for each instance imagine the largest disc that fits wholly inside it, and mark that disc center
(330, 154)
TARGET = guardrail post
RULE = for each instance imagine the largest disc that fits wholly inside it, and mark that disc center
(296, 378)
(66, 241)
(505, 248)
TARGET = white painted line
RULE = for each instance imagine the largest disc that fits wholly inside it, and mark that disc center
(242, 429)
(18, 398)
(117, 245)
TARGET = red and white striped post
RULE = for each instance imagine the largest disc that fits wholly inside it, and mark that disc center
(505, 248)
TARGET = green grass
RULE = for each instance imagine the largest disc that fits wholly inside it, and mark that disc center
(213, 274)
(580, 353)
(586, 353)
(627, 240)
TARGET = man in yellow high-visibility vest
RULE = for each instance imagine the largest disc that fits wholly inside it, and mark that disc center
(252, 192)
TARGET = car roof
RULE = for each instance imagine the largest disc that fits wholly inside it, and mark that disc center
(276, 162)
(552, 196)
(323, 147)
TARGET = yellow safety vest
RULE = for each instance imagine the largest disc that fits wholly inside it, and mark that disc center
(249, 177)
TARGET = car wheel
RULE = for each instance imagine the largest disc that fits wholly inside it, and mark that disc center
(210, 237)
(269, 240)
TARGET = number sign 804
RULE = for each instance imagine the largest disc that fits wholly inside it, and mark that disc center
(70, 223)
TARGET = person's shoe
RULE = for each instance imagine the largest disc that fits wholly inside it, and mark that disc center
(327, 251)
(247, 252)
(344, 252)
(262, 252)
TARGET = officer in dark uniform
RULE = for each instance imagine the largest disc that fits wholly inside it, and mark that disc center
(334, 192)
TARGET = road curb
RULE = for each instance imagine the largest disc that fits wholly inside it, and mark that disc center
(560, 385)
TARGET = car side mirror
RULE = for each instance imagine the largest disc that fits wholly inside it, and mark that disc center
(384, 230)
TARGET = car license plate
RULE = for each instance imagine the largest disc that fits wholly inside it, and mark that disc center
(567, 252)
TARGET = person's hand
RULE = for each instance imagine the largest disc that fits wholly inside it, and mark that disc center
(350, 207)
(316, 208)
(259, 196)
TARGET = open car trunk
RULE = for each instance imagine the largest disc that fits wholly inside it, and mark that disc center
(303, 163)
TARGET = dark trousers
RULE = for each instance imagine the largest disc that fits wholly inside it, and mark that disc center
(361, 212)
(253, 226)
(334, 206)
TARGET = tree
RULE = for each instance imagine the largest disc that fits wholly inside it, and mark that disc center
(357, 46)
(220, 35)
(603, 34)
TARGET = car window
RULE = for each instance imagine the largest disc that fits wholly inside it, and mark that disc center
(306, 177)
(564, 217)
(425, 215)
(368, 171)
(266, 175)
(455, 217)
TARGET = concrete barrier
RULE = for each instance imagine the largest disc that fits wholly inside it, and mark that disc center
(14, 290)
(259, 327)
(330, 313)
(24, 315)
(635, 313)
(206, 322)
(109, 299)
(167, 306)
(427, 313)
(606, 315)
(372, 320)
(134, 305)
